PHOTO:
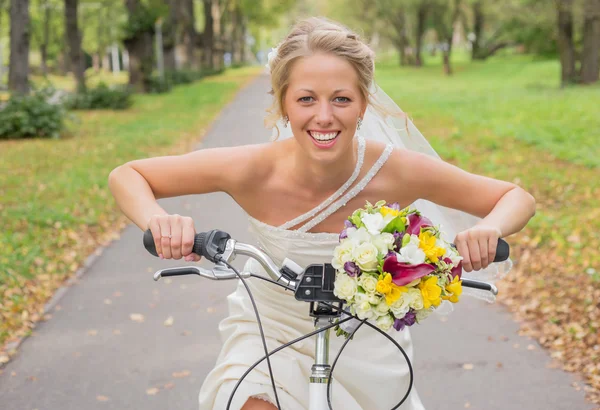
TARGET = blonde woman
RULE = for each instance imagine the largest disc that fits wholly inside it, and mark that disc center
(297, 191)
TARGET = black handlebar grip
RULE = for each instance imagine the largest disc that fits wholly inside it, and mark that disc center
(206, 244)
(502, 251)
(151, 247)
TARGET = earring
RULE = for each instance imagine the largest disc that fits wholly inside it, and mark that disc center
(359, 123)
(285, 121)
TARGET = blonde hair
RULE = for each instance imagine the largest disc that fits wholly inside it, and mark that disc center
(308, 37)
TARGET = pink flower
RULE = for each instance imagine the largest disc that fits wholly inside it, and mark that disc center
(416, 222)
(402, 273)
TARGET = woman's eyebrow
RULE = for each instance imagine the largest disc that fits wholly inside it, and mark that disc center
(339, 90)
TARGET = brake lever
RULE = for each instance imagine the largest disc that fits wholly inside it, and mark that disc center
(220, 272)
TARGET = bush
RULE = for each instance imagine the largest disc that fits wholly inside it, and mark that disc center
(182, 76)
(157, 85)
(31, 116)
(101, 97)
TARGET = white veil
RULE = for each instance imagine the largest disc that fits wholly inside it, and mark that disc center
(401, 132)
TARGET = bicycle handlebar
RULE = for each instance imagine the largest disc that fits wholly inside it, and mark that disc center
(218, 247)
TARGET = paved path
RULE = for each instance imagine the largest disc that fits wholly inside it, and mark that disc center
(91, 355)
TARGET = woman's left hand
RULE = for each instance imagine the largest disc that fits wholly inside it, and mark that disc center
(477, 246)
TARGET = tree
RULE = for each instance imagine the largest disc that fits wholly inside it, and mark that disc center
(139, 32)
(20, 31)
(444, 15)
(566, 47)
(590, 57)
(77, 62)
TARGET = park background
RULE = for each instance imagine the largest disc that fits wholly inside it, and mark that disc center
(507, 89)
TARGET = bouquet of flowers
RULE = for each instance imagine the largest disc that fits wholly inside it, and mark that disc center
(393, 267)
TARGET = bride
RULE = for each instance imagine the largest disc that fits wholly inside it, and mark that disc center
(297, 192)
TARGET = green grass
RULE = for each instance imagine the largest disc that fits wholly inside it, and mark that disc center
(510, 96)
(55, 205)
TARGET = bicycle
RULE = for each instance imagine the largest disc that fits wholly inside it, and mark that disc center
(314, 284)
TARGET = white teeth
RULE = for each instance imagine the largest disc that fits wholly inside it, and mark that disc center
(323, 137)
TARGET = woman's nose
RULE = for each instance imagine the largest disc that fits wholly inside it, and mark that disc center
(324, 114)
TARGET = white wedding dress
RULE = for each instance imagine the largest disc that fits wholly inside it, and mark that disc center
(371, 374)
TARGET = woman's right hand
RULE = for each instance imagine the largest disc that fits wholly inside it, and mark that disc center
(173, 236)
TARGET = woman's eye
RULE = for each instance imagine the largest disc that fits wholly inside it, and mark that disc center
(342, 99)
(305, 99)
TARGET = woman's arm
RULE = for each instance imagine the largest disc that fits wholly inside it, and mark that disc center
(137, 185)
(504, 207)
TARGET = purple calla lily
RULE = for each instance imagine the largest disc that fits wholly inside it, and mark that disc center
(402, 273)
(416, 222)
(456, 271)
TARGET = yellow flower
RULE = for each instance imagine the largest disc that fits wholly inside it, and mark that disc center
(431, 292)
(455, 289)
(386, 287)
(385, 210)
(427, 244)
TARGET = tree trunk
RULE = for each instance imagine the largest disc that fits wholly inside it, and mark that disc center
(419, 32)
(45, 36)
(139, 52)
(217, 52)
(169, 36)
(189, 35)
(478, 24)
(20, 31)
(237, 41)
(74, 42)
(565, 41)
(590, 58)
(208, 36)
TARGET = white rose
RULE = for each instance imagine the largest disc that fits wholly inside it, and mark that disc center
(345, 287)
(368, 283)
(422, 314)
(358, 236)
(415, 298)
(342, 254)
(411, 254)
(384, 242)
(365, 256)
(364, 310)
(385, 322)
(382, 308)
(271, 56)
(374, 299)
(401, 306)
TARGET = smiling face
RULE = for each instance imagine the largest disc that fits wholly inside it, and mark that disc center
(323, 103)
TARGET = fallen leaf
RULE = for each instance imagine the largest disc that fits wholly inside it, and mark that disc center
(468, 366)
(169, 385)
(13, 374)
(152, 391)
(102, 398)
(58, 307)
(92, 332)
(169, 321)
(467, 405)
(179, 375)
(116, 332)
(490, 339)
(183, 286)
(186, 333)
(137, 317)
(76, 354)
(107, 301)
(530, 347)
(211, 310)
(168, 281)
(32, 378)
(117, 294)
(499, 365)
(4, 359)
